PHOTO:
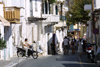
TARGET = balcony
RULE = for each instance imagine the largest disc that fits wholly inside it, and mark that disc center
(51, 18)
(12, 14)
(62, 18)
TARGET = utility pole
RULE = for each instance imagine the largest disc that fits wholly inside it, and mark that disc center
(93, 22)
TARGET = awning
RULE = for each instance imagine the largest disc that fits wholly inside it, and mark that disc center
(4, 21)
(74, 30)
(77, 29)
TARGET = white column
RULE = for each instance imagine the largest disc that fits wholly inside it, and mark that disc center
(39, 30)
(54, 9)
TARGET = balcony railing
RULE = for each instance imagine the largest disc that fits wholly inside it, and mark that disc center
(51, 18)
(12, 14)
(62, 18)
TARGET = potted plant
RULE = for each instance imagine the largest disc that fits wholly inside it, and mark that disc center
(2, 43)
(51, 1)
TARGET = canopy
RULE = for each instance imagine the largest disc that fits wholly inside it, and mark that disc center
(4, 21)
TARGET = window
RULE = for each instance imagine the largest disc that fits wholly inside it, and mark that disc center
(56, 8)
(49, 8)
(46, 7)
(43, 8)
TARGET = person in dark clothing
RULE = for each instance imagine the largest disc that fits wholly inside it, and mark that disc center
(73, 46)
(53, 48)
(84, 46)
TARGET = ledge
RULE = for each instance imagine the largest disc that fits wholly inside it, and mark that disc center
(35, 19)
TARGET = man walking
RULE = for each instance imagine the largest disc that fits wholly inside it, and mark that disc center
(66, 45)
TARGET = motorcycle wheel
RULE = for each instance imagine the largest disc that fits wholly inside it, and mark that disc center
(20, 54)
(35, 55)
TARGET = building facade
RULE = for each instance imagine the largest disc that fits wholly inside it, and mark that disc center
(91, 37)
(31, 19)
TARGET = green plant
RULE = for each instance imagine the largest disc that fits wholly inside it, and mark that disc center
(2, 43)
(51, 1)
(77, 12)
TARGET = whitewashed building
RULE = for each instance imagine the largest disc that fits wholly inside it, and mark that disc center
(91, 37)
(31, 19)
(3, 23)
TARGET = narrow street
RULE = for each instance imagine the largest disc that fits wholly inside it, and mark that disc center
(57, 61)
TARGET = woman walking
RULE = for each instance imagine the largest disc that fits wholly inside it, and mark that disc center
(80, 50)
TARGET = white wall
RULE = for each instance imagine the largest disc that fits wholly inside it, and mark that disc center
(27, 8)
(2, 36)
(0, 0)
(1, 30)
(15, 3)
(29, 33)
(9, 3)
(36, 13)
(1, 10)
(97, 4)
(35, 32)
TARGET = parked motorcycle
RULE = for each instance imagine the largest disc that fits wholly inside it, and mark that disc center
(22, 52)
(90, 52)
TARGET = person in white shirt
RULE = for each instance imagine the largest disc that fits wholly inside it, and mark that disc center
(26, 46)
(80, 50)
(66, 45)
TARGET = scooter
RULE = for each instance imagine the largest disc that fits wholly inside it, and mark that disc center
(22, 52)
(90, 53)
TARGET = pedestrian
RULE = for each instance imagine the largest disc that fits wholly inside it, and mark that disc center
(39, 47)
(66, 45)
(34, 46)
(73, 46)
(80, 50)
(84, 46)
(77, 41)
(53, 46)
(26, 46)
